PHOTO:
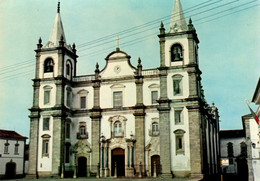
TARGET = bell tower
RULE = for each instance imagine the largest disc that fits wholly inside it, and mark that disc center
(55, 69)
(180, 95)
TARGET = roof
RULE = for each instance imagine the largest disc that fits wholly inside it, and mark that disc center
(10, 134)
(177, 23)
(57, 32)
(232, 133)
(256, 93)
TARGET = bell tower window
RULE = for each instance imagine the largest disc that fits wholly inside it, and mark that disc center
(176, 53)
(48, 65)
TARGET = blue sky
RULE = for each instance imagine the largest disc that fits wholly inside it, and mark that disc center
(228, 51)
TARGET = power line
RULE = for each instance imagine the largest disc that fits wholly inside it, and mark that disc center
(129, 43)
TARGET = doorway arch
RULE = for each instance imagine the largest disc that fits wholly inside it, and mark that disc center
(10, 169)
(118, 157)
(155, 159)
(82, 166)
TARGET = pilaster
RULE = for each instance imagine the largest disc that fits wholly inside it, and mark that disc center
(58, 143)
(139, 122)
(164, 125)
(196, 159)
(33, 145)
(95, 124)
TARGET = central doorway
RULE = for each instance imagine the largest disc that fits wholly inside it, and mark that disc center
(118, 157)
(82, 167)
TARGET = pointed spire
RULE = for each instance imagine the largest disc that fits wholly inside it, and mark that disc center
(178, 22)
(57, 31)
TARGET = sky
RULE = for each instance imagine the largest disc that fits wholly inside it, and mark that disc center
(228, 51)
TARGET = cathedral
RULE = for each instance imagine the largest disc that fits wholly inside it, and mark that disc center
(123, 120)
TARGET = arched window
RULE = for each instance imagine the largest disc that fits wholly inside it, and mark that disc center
(155, 128)
(82, 130)
(117, 128)
(48, 65)
(176, 53)
(230, 149)
(68, 68)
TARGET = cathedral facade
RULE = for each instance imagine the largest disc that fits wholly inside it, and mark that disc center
(123, 120)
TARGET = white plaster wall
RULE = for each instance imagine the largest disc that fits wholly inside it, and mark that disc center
(44, 162)
(180, 162)
(148, 122)
(182, 40)
(128, 91)
(52, 96)
(124, 70)
(17, 158)
(75, 123)
(254, 137)
(43, 57)
(147, 97)
(185, 84)
(236, 146)
(76, 97)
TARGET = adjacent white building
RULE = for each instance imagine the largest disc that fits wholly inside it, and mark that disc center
(253, 139)
(123, 120)
(11, 154)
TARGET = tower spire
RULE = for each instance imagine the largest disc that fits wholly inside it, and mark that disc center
(178, 22)
(57, 31)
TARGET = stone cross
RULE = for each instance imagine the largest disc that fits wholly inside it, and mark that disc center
(117, 42)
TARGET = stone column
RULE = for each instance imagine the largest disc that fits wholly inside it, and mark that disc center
(33, 145)
(196, 151)
(164, 120)
(162, 46)
(61, 52)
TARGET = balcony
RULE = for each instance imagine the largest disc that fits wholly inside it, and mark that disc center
(153, 133)
(82, 136)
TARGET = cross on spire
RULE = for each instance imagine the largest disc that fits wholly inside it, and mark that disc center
(117, 43)
(58, 8)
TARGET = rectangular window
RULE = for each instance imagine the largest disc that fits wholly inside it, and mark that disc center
(177, 90)
(16, 149)
(68, 98)
(117, 99)
(68, 130)
(178, 117)
(179, 144)
(6, 148)
(154, 97)
(45, 147)
(83, 102)
(46, 124)
(67, 153)
(47, 94)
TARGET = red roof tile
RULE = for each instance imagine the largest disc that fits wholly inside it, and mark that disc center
(10, 134)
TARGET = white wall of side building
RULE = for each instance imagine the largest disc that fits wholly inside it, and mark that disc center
(11, 156)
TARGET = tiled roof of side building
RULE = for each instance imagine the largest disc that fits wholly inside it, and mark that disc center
(232, 133)
(10, 134)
